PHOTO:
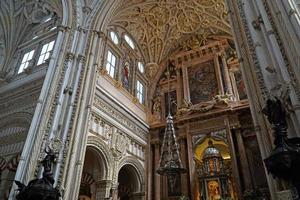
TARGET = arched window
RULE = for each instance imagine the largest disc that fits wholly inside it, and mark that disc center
(114, 37)
(129, 41)
(26, 61)
(45, 53)
(111, 64)
(141, 67)
(140, 91)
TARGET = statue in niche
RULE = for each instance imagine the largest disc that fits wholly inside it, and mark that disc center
(125, 75)
(156, 110)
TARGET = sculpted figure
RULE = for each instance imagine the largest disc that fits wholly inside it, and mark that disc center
(157, 109)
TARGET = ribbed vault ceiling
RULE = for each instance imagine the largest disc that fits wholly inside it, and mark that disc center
(160, 25)
(17, 22)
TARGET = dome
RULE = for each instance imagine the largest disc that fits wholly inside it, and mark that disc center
(211, 151)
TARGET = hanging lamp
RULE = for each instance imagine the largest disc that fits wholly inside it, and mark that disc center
(170, 164)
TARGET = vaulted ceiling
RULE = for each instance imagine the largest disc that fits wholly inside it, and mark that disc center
(160, 26)
(17, 20)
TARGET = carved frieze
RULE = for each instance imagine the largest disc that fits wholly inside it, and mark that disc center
(118, 116)
(119, 142)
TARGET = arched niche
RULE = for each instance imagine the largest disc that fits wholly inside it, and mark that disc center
(129, 183)
(199, 150)
(13, 132)
(131, 179)
(94, 170)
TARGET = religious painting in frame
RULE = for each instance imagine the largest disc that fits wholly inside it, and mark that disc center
(203, 83)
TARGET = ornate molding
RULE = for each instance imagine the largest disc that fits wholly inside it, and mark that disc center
(118, 116)
(97, 143)
(294, 81)
(252, 46)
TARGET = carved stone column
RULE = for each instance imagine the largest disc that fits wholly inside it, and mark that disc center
(103, 189)
(157, 178)
(150, 171)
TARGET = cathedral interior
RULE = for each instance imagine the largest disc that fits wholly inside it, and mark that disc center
(150, 99)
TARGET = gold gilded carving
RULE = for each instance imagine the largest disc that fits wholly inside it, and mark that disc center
(102, 71)
(118, 84)
(217, 101)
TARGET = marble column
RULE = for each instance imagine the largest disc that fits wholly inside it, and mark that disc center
(243, 159)
(218, 74)
(233, 157)
(179, 88)
(228, 84)
(184, 176)
(185, 81)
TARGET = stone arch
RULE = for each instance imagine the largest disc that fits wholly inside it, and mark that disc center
(14, 127)
(103, 151)
(23, 118)
(138, 169)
